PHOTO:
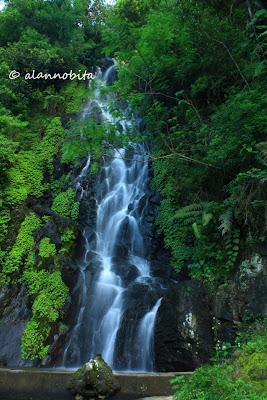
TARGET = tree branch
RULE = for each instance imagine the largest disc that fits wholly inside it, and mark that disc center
(230, 54)
(172, 155)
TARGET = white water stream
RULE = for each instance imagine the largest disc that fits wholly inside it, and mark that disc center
(117, 237)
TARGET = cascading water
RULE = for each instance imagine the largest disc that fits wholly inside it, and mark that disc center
(113, 268)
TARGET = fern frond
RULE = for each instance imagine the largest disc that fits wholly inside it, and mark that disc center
(193, 207)
(262, 147)
(187, 214)
(196, 231)
(206, 218)
(226, 220)
(189, 220)
(190, 210)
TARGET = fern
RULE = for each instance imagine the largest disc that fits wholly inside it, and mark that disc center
(188, 214)
(192, 213)
(226, 220)
(206, 218)
(193, 207)
(192, 210)
(262, 148)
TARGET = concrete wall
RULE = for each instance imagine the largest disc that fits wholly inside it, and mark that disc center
(41, 384)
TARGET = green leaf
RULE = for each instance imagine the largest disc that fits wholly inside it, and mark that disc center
(196, 231)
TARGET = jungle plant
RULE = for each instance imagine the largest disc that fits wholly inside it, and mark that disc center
(23, 249)
(52, 294)
(47, 249)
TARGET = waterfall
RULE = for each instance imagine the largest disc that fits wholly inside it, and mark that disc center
(118, 296)
(144, 340)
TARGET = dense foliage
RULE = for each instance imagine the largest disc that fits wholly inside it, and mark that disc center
(49, 37)
(197, 72)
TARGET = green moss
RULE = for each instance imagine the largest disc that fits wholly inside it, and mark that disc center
(48, 287)
(35, 280)
(255, 368)
(68, 235)
(27, 173)
(57, 185)
(94, 168)
(62, 327)
(68, 240)
(46, 218)
(75, 211)
(4, 220)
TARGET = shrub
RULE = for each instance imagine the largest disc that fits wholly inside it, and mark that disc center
(51, 143)
(65, 206)
(32, 342)
(25, 178)
(214, 383)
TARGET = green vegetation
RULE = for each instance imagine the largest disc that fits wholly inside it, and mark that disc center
(196, 71)
(47, 249)
(49, 37)
(242, 376)
(23, 250)
(65, 206)
(98, 139)
(52, 294)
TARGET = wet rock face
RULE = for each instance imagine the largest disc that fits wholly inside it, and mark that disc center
(106, 63)
(113, 74)
(94, 380)
(184, 332)
(15, 303)
(15, 315)
(244, 296)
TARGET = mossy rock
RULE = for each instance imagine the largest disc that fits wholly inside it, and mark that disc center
(255, 369)
(94, 380)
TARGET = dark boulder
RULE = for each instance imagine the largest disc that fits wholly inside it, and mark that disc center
(186, 319)
(106, 63)
(127, 272)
